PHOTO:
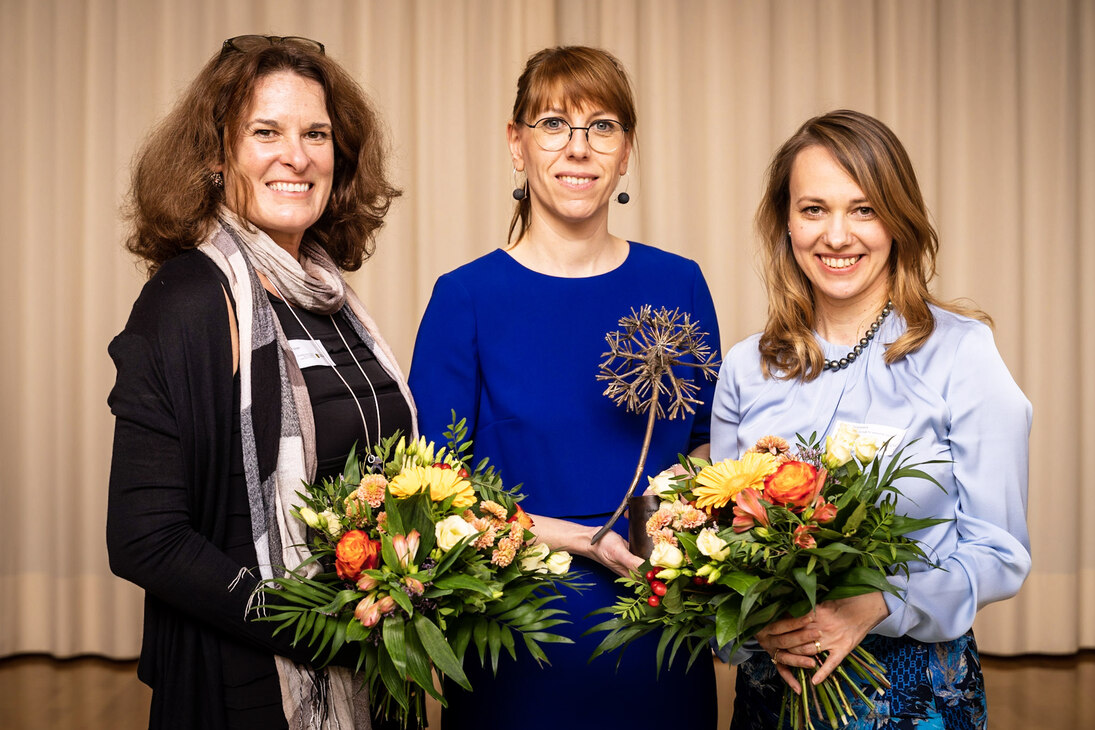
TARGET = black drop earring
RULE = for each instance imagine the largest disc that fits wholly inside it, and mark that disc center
(623, 197)
(518, 190)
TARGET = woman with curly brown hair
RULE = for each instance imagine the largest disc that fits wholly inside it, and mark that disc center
(246, 366)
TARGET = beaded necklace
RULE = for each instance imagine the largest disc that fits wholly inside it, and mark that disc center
(863, 341)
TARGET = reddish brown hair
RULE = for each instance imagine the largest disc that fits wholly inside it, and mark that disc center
(569, 77)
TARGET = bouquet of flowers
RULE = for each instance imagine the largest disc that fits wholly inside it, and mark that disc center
(415, 558)
(775, 532)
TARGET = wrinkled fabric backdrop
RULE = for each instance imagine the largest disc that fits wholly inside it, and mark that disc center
(994, 100)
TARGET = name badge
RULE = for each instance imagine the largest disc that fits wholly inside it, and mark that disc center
(881, 434)
(310, 354)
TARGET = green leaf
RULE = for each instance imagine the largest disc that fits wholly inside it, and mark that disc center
(738, 581)
(418, 662)
(671, 601)
(394, 642)
(808, 582)
(403, 600)
(440, 652)
(727, 619)
(460, 580)
(855, 519)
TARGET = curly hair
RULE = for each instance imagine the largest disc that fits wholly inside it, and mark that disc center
(172, 202)
(570, 76)
(871, 154)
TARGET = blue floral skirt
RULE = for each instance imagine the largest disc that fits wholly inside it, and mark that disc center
(934, 687)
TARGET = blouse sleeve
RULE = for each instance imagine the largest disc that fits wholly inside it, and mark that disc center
(988, 437)
(725, 411)
(445, 368)
(703, 309)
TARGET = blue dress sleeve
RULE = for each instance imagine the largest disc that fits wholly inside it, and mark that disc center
(703, 308)
(988, 437)
(445, 373)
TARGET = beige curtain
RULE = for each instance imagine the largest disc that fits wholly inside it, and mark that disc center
(995, 101)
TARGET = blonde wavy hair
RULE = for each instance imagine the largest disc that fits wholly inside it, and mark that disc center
(871, 154)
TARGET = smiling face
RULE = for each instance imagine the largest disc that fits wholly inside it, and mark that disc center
(837, 238)
(284, 159)
(574, 185)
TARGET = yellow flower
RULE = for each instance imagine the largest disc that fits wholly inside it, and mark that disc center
(721, 482)
(439, 483)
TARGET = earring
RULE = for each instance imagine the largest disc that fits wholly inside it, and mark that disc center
(519, 192)
(217, 179)
(623, 197)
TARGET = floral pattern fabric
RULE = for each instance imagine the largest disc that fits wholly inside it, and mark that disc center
(934, 687)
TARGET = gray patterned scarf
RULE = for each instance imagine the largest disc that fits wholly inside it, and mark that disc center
(279, 434)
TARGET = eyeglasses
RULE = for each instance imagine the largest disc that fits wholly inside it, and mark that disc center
(553, 134)
(247, 43)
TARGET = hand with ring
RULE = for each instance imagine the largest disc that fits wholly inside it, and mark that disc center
(795, 643)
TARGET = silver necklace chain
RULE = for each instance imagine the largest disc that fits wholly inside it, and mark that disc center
(345, 344)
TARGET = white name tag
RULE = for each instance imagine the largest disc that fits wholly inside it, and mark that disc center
(881, 434)
(310, 354)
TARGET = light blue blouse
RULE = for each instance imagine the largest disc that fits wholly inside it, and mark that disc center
(956, 399)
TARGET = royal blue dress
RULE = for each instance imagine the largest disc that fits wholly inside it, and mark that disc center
(952, 401)
(517, 352)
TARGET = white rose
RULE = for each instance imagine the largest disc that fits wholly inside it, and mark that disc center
(558, 562)
(532, 559)
(866, 448)
(710, 544)
(331, 523)
(666, 556)
(450, 531)
(663, 485)
(837, 453)
(310, 518)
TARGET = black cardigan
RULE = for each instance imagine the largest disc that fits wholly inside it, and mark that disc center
(173, 401)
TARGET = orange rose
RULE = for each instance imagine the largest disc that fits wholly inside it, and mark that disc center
(521, 517)
(354, 553)
(794, 484)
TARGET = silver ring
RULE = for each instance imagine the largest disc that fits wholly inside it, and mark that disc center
(817, 646)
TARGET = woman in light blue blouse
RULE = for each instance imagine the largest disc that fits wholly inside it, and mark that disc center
(855, 337)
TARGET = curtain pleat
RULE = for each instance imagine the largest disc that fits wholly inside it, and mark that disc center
(994, 100)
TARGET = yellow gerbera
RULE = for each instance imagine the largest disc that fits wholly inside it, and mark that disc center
(721, 482)
(441, 483)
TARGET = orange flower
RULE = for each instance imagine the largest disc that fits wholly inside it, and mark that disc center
(521, 517)
(794, 484)
(748, 511)
(825, 512)
(354, 553)
(804, 537)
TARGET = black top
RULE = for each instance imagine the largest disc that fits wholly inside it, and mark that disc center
(337, 419)
(251, 688)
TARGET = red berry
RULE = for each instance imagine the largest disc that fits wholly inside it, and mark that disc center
(654, 601)
(442, 465)
(650, 575)
(463, 473)
(699, 580)
(658, 587)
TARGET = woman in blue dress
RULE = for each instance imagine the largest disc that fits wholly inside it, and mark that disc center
(512, 342)
(855, 339)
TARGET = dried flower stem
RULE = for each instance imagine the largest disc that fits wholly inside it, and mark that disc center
(649, 346)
